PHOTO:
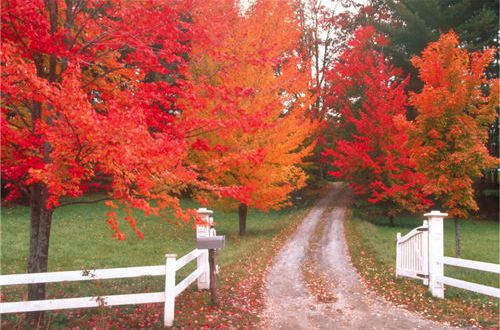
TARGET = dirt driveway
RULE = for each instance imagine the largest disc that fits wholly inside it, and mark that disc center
(289, 304)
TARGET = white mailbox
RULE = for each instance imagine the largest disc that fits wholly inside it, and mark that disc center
(203, 230)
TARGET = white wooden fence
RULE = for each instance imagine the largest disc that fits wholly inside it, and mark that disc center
(419, 254)
(171, 266)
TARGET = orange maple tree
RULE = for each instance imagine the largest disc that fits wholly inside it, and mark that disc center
(254, 61)
(454, 115)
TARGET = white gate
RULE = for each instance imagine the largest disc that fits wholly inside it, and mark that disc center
(419, 254)
(412, 255)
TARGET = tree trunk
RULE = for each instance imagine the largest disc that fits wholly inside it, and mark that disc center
(242, 212)
(391, 220)
(40, 222)
(41, 216)
(458, 238)
(321, 171)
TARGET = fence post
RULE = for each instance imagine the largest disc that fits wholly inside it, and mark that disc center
(169, 309)
(204, 279)
(436, 252)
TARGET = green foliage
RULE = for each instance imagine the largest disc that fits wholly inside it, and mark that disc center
(415, 23)
(490, 193)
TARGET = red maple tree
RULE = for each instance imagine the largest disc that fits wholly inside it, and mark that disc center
(371, 150)
(93, 88)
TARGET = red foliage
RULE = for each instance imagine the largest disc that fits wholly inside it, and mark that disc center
(101, 89)
(371, 153)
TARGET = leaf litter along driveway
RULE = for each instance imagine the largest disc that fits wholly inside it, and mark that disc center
(290, 305)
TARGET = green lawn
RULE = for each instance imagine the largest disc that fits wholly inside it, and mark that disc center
(81, 239)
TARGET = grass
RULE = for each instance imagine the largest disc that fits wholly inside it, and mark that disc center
(372, 246)
(80, 239)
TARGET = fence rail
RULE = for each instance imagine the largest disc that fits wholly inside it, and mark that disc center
(82, 275)
(479, 288)
(83, 302)
(472, 264)
(172, 265)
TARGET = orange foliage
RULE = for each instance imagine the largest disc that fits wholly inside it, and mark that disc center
(453, 119)
(253, 67)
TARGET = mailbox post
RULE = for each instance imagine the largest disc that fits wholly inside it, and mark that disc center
(214, 298)
(206, 239)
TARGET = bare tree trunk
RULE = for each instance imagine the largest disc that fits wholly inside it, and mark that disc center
(458, 238)
(40, 222)
(242, 213)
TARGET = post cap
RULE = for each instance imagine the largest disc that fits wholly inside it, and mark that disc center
(436, 213)
(203, 210)
(170, 255)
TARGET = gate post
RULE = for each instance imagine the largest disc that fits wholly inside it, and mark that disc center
(436, 252)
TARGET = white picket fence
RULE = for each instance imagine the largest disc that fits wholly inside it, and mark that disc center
(169, 269)
(419, 254)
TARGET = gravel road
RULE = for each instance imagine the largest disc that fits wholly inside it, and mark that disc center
(288, 302)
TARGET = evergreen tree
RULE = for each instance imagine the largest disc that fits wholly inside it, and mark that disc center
(415, 23)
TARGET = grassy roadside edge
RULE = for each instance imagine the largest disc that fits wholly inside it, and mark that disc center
(409, 294)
